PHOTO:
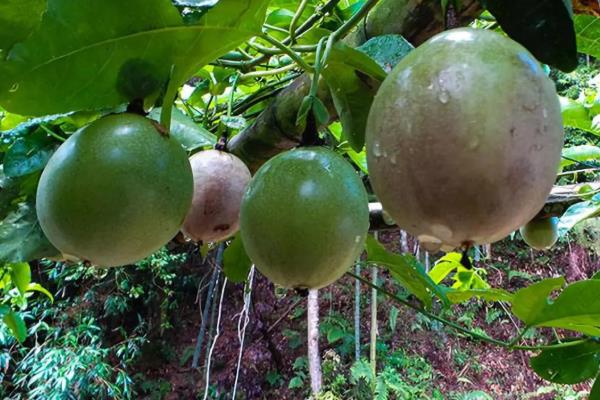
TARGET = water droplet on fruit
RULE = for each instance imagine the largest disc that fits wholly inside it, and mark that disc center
(14, 88)
(545, 112)
(377, 149)
(357, 239)
(444, 96)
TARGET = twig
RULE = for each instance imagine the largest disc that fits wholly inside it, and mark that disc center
(243, 324)
(216, 337)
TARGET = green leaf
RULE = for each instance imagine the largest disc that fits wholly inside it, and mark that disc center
(303, 111)
(28, 155)
(595, 393)
(361, 370)
(576, 115)
(236, 263)
(296, 383)
(545, 28)
(577, 308)
(234, 122)
(577, 213)
(387, 50)
(70, 64)
(461, 296)
(16, 324)
(191, 135)
(568, 365)
(18, 18)
(22, 239)
(528, 301)
(444, 266)
(581, 153)
(406, 270)
(346, 74)
(20, 273)
(334, 334)
(36, 287)
(320, 112)
(587, 29)
(393, 319)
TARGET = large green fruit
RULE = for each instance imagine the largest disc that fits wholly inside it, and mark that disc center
(115, 191)
(464, 139)
(304, 218)
(541, 233)
(220, 181)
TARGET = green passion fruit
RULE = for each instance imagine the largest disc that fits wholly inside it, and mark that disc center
(304, 218)
(220, 181)
(115, 191)
(540, 233)
(464, 139)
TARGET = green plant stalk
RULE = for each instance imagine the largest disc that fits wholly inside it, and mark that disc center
(168, 100)
(469, 333)
(286, 50)
(373, 353)
(295, 20)
(357, 314)
(270, 72)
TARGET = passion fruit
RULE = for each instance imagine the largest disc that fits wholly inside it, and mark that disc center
(220, 180)
(540, 233)
(115, 191)
(304, 218)
(464, 139)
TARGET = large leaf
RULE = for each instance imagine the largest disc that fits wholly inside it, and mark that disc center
(406, 270)
(236, 263)
(191, 135)
(16, 324)
(595, 392)
(577, 213)
(20, 274)
(577, 308)
(351, 89)
(387, 50)
(576, 115)
(90, 54)
(528, 301)
(27, 155)
(568, 365)
(18, 18)
(22, 239)
(543, 27)
(461, 296)
(581, 153)
(587, 28)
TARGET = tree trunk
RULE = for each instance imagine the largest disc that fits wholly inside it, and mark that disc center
(314, 358)
(274, 130)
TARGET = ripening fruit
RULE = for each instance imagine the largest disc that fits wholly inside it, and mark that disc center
(220, 180)
(541, 233)
(464, 139)
(304, 218)
(115, 191)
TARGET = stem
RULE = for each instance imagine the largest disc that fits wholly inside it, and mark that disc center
(270, 72)
(52, 133)
(243, 324)
(168, 100)
(295, 20)
(273, 51)
(209, 297)
(314, 358)
(214, 343)
(373, 355)
(357, 314)
(293, 55)
(232, 96)
(354, 20)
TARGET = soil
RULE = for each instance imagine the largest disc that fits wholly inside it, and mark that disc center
(501, 373)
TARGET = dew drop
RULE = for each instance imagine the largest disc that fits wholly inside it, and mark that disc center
(377, 149)
(357, 239)
(14, 88)
(444, 97)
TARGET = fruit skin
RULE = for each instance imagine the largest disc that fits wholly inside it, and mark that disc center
(464, 139)
(304, 218)
(541, 233)
(220, 181)
(115, 191)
